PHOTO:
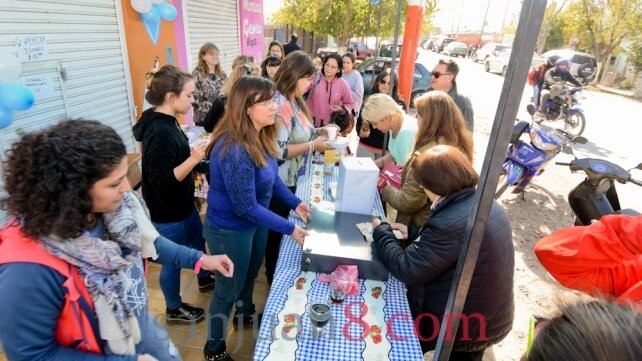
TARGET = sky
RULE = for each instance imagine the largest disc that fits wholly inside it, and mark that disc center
(467, 15)
(453, 14)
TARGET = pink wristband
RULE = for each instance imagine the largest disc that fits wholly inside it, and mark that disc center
(198, 265)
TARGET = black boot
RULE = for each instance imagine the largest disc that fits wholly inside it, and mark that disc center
(184, 314)
(206, 283)
(220, 354)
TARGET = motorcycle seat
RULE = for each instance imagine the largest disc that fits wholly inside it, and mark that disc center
(628, 212)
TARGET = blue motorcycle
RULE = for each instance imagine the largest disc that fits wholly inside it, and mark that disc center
(526, 159)
(564, 104)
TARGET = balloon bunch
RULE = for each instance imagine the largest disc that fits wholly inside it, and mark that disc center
(13, 96)
(153, 11)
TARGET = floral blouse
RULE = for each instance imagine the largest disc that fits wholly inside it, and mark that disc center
(207, 89)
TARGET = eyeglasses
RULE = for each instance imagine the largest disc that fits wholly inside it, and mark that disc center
(384, 82)
(437, 74)
(267, 103)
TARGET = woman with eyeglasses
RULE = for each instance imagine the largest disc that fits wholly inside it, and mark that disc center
(241, 66)
(329, 92)
(427, 267)
(209, 77)
(244, 178)
(270, 66)
(440, 122)
(371, 139)
(296, 137)
(276, 49)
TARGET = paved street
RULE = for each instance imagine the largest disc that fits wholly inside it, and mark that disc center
(613, 125)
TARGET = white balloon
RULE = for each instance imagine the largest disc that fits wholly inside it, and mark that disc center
(10, 67)
(156, 2)
(141, 6)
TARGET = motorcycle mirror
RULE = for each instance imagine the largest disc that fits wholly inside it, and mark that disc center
(639, 166)
(580, 140)
(530, 108)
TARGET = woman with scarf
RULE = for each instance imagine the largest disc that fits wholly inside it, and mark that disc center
(71, 256)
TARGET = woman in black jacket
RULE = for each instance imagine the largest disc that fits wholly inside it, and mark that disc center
(168, 182)
(427, 266)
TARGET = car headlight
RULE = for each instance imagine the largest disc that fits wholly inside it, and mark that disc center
(537, 138)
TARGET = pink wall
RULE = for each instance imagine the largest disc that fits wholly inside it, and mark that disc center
(179, 25)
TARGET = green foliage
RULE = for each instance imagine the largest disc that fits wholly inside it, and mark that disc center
(331, 16)
(510, 28)
(634, 52)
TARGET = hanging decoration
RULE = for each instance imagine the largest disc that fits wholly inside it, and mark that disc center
(151, 13)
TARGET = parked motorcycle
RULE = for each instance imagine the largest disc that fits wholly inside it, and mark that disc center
(524, 160)
(596, 195)
(564, 104)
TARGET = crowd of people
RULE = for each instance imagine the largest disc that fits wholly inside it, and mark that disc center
(73, 255)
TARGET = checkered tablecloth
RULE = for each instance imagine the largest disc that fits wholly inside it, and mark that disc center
(392, 339)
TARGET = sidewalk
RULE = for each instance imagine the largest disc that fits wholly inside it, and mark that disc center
(625, 93)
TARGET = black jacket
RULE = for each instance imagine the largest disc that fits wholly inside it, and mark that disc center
(427, 267)
(464, 105)
(552, 73)
(215, 114)
(165, 147)
(290, 47)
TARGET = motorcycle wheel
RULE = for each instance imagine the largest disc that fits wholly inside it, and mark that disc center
(574, 124)
(501, 186)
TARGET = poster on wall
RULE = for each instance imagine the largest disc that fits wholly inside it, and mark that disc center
(251, 28)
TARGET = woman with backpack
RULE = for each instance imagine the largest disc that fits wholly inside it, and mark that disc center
(71, 256)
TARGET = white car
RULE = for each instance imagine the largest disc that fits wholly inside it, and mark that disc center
(499, 63)
(487, 50)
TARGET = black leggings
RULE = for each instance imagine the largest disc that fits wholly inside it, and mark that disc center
(274, 238)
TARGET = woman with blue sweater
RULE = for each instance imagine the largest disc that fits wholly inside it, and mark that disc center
(244, 177)
(71, 258)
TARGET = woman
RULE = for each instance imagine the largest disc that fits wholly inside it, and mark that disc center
(276, 49)
(77, 229)
(370, 139)
(168, 182)
(296, 137)
(440, 122)
(329, 91)
(270, 66)
(428, 266)
(241, 66)
(354, 79)
(244, 177)
(596, 330)
(209, 77)
(383, 113)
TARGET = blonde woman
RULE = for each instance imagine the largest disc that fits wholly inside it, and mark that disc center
(209, 77)
(383, 113)
(440, 122)
(241, 66)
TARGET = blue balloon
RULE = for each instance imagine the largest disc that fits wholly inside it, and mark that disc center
(152, 16)
(6, 117)
(167, 11)
(16, 97)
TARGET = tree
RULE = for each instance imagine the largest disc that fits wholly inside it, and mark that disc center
(510, 29)
(601, 25)
(550, 24)
(430, 9)
(344, 19)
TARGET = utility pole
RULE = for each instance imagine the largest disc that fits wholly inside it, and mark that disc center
(481, 33)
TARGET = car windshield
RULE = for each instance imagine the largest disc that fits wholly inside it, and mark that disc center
(502, 47)
(582, 59)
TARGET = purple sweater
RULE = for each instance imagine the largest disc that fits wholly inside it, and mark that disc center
(324, 95)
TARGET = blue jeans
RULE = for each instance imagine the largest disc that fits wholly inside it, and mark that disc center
(246, 248)
(188, 232)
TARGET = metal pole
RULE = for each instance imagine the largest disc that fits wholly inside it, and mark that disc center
(481, 33)
(530, 21)
(378, 35)
(393, 73)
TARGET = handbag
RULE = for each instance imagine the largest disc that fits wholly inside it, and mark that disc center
(391, 173)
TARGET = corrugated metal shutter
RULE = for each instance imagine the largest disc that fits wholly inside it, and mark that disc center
(217, 22)
(84, 44)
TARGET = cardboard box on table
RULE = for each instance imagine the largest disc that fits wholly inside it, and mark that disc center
(334, 238)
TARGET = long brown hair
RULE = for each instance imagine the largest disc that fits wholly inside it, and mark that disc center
(201, 65)
(441, 121)
(297, 65)
(236, 127)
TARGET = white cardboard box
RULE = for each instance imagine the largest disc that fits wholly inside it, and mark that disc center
(357, 185)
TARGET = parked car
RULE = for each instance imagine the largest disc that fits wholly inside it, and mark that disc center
(360, 49)
(441, 44)
(323, 52)
(498, 63)
(583, 65)
(369, 70)
(456, 48)
(385, 50)
(429, 43)
(487, 50)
